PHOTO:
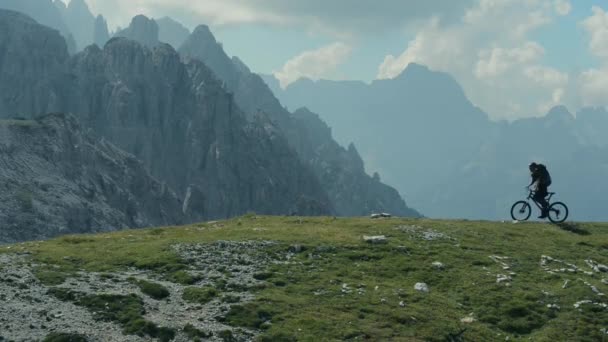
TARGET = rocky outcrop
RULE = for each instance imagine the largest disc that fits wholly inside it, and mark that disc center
(142, 30)
(58, 179)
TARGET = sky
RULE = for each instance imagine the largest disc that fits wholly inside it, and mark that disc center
(514, 58)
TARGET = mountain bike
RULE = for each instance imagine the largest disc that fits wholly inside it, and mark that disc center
(557, 212)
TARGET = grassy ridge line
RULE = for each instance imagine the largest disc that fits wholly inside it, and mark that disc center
(307, 298)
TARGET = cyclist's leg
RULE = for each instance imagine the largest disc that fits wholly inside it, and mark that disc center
(541, 198)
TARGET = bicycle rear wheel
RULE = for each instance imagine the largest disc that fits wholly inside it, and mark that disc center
(558, 212)
(521, 211)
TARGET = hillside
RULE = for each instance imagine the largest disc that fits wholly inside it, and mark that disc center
(305, 279)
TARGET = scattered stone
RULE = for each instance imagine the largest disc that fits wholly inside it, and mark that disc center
(375, 240)
(383, 300)
(579, 303)
(422, 287)
(438, 265)
(468, 319)
(565, 284)
(502, 278)
(597, 267)
(417, 232)
(381, 215)
(553, 306)
(297, 249)
(402, 304)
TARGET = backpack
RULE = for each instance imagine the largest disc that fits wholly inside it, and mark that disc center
(544, 175)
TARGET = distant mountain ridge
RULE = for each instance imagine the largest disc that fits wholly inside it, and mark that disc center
(422, 133)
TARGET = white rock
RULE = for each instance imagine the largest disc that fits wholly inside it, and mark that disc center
(402, 304)
(438, 265)
(422, 287)
(377, 239)
(502, 278)
(468, 319)
(579, 303)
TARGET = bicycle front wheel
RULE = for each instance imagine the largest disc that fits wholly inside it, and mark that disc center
(558, 212)
(521, 211)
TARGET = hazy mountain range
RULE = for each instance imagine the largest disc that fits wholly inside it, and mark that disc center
(424, 136)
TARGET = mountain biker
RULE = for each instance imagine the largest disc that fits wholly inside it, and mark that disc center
(542, 179)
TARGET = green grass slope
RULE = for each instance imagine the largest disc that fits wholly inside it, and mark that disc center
(487, 281)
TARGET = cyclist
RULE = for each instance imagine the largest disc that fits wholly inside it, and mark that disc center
(542, 179)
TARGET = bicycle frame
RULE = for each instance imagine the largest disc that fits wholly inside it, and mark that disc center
(540, 207)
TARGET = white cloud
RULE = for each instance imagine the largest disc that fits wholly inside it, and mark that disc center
(594, 82)
(593, 85)
(314, 64)
(336, 16)
(496, 61)
(213, 12)
(547, 77)
(597, 27)
(490, 52)
(563, 7)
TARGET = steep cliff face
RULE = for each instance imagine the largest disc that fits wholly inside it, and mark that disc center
(351, 190)
(32, 66)
(57, 179)
(183, 125)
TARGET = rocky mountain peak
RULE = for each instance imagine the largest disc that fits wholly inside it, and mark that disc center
(101, 35)
(560, 113)
(202, 33)
(79, 6)
(143, 30)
